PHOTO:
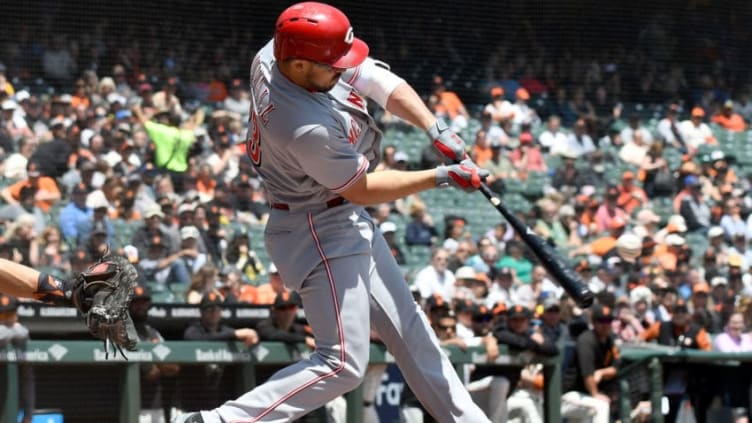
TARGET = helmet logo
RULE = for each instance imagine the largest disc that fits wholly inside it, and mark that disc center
(349, 36)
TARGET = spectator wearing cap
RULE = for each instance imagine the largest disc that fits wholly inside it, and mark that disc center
(504, 288)
(160, 266)
(246, 204)
(702, 312)
(631, 196)
(567, 175)
(519, 335)
(552, 327)
(464, 310)
(728, 119)
(46, 192)
(420, 229)
(53, 156)
(523, 114)
(696, 132)
(436, 278)
(14, 337)
(12, 121)
(499, 109)
(110, 194)
(201, 385)
(151, 374)
(454, 231)
(588, 382)
(682, 333)
(693, 208)
(527, 157)
(552, 138)
(194, 260)
(238, 101)
(280, 326)
(471, 284)
(154, 226)
(610, 211)
(515, 259)
(647, 223)
(389, 229)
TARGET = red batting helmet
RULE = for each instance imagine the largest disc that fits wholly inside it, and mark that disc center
(320, 33)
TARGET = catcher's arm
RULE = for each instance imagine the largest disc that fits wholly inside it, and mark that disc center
(22, 281)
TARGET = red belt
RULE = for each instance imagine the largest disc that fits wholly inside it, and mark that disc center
(334, 202)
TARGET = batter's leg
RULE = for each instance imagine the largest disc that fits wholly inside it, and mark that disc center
(409, 338)
(335, 300)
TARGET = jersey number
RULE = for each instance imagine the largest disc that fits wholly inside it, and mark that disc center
(253, 144)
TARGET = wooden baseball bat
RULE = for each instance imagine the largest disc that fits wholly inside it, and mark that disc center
(548, 256)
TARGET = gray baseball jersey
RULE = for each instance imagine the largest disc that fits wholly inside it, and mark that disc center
(308, 147)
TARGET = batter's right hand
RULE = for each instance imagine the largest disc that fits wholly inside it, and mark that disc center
(447, 142)
(466, 175)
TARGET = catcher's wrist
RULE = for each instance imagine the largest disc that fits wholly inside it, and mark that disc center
(436, 129)
(54, 291)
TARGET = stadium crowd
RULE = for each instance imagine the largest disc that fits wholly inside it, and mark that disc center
(644, 184)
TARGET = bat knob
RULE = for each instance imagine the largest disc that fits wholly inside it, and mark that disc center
(585, 299)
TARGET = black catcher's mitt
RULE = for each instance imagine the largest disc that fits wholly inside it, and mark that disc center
(102, 293)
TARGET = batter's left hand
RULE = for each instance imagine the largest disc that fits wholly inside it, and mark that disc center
(447, 142)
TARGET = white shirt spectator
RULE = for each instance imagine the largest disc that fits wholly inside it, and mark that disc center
(553, 140)
(627, 135)
(581, 147)
(15, 166)
(429, 281)
(633, 153)
(499, 110)
(695, 136)
(665, 132)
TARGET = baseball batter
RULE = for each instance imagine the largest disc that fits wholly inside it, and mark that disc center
(313, 142)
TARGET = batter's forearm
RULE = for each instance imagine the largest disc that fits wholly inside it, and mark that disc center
(407, 104)
(389, 185)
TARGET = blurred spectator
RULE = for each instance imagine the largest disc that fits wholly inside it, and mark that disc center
(539, 288)
(15, 164)
(641, 299)
(553, 138)
(204, 382)
(702, 313)
(693, 208)
(230, 284)
(668, 128)
(241, 256)
(504, 289)
(728, 119)
(53, 252)
(696, 132)
(165, 100)
(98, 223)
(280, 326)
(634, 152)
(657, 179)
(446, 104)
(154, 226)
(194, 260)
(58, 63)
(552, 327)
(499, 167)
(567, 177)
(14, 337)
(522, 113)
(52, 157)
(238, 101)
(630, 196)
(25, 205)
(487, 136)
(153, 376)
(527, 157)
(265, 293)
(578, 142)
(455, 232)
(628, 134)
(733, 339)
(436, 278)
(515, 260)
(46, 193)
(609, 214)
(420, 230)
(647, 223)
(732, 221)
(161, 267)
(499, 109)
(389, 229)
(588, 382)
(626, 326)
(21, 237)
(548, 225)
